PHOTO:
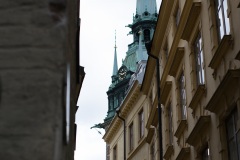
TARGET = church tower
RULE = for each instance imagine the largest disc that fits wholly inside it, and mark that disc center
(142, 29)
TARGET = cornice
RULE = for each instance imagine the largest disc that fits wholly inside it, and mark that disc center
(183, 153)
(197, 96)
(168, 152)
(165, 91)
(178, 56)
(231, 78)
(192, 18)
(198, 129)
(124, 108)
(221, 51)
(181, 127)
(150, 135)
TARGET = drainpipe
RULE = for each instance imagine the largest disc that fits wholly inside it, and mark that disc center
(148, 46)
(124, 132)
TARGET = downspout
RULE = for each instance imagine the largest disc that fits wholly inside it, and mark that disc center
(148, 46)
(124, 133)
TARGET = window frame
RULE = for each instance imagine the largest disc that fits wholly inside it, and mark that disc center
(221, 12)
(141, 123)
(170, 123)
(234, 117)
(131, 136)
(205, 154)
(182, 96)
(199, 59)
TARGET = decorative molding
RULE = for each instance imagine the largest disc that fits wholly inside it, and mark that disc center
(221, 51)
(181, 127)
(150, 135)
(168, 152)
(176, 39)
(198, 129)
(231, 78)
(192, 18)
(197, 96)
(165, 91)
(183, 153)
(177, 59)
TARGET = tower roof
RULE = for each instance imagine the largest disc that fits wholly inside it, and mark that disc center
(115, 64)
(146, 5)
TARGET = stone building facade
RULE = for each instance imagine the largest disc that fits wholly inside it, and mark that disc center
(40, 79)
(200, 78)
(196, 42)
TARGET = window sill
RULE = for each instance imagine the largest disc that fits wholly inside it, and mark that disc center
(168, 152)
(181, 127)
(221, 50)
(197, 96)
(198, 129)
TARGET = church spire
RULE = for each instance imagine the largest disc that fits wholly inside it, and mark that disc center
(146, 5)
(115, 65)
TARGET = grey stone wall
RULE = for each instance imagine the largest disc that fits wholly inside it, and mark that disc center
(34, 50)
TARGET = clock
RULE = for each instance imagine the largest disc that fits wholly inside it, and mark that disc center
(122, 73)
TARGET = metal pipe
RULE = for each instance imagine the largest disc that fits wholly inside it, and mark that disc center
(148, 47)
(124, 133)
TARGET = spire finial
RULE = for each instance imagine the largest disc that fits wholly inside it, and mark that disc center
(115, 65)
(115, 40)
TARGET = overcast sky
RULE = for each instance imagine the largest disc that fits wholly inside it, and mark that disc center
(99, 20)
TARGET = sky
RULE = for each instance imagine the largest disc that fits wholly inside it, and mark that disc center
(99, 20)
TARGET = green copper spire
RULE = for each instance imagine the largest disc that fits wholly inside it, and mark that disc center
(146, 5)
(115, 65)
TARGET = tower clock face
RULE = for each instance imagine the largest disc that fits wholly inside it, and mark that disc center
(122, 73)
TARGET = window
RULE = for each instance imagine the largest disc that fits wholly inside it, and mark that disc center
(146, 35)
(205, 154)
(199, 60)
(170, 126)
(131, 137)
(115, 153)
(166, 51)
(177, 16)
(152, 152)
(222, 18)
(182, 97)
(141, 123)
(233, 136)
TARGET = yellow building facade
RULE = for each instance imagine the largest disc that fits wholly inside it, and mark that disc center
(197, 43)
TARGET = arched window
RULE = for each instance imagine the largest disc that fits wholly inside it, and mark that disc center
(146, 35)
(137, 37)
